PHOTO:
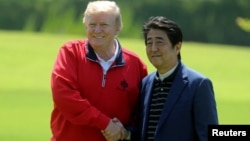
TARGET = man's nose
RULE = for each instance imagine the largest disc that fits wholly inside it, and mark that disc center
(154, 47)
(98, 28)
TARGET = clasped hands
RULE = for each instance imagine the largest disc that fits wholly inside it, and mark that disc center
(115, 131)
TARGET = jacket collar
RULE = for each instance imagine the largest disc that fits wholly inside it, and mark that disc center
(119, 61)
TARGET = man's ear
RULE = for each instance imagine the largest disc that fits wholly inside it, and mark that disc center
(117, 32)
(178, 47)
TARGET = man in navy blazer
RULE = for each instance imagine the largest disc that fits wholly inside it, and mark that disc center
(177, 103)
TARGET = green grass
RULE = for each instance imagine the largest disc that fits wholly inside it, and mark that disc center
(26, 60)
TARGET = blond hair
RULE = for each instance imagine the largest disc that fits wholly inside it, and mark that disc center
(106, 7)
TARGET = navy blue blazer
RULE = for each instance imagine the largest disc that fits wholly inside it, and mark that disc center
(189, 108)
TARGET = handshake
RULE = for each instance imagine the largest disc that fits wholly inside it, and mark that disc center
(115, 131)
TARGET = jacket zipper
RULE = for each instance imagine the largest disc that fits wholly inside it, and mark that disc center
(104, 78)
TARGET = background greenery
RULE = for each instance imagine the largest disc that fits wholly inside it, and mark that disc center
(27, 59)
(216, 21)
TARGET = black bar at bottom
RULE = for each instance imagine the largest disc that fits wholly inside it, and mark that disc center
(236, 132)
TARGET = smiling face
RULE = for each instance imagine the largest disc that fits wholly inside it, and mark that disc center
(160, 51)
(101, 30)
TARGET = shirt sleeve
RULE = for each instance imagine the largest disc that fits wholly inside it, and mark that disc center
(204, 109)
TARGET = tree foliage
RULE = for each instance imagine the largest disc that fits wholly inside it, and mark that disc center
(201, 20)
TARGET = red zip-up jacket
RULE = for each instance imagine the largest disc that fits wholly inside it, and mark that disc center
(85, 99)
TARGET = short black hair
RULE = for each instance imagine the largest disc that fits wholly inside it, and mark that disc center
(171, 28)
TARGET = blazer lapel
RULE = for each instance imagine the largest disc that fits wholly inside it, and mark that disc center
(175, 92)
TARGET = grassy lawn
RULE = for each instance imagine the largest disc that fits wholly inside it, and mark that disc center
(27, 59)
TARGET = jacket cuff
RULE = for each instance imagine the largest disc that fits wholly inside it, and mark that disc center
(102, 122)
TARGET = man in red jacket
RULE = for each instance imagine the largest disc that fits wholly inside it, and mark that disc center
(95, 82)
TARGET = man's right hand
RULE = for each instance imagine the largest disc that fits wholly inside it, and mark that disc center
(115, 131)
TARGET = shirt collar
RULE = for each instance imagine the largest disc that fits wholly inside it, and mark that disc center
(168, 73)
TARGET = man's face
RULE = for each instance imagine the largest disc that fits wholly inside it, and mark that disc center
(160, 50)
(101, 29)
